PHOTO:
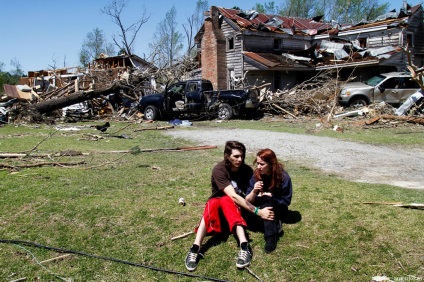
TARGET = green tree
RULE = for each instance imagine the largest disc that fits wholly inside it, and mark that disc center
(353, 11)
(298, 8)
(269, 8)
(342, 11)
(18, 71)
(127, 34)
(95, 44)
(167, 40)
(10, 78)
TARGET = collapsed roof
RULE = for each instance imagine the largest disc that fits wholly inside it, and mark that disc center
(332, 42)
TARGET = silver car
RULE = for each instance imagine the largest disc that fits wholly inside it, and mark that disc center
(393, 88)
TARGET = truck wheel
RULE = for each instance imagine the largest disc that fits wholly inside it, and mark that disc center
(358, 103)
(225, 111)
(151, 113)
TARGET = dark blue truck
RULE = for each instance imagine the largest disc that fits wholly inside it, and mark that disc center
(197, 97)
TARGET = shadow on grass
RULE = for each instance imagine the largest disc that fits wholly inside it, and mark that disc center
(215, 240)
(292, 217)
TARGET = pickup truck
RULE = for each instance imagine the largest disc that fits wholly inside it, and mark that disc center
(393, 88)
(197, 97)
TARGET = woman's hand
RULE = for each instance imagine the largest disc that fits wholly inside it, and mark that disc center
(258, 188)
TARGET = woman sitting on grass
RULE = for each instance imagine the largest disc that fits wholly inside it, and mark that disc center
(270, 186)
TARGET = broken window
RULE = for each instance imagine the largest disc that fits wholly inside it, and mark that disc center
(277, 43)
(362, 42)
(391, 83)
(409, 39)
(277, 80)
(230, 43)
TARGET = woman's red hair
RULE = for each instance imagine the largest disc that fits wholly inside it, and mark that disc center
(268, 155)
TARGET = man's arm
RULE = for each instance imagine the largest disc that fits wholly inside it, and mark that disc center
(265, 213)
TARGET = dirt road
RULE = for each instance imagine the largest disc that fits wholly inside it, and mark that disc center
(350, 160)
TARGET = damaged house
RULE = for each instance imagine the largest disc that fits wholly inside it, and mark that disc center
(247, 46)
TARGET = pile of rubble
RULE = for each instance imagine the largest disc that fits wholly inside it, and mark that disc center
(112, 89)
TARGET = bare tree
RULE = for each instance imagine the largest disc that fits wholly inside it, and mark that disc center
(18, 67)
(127, 34)
(167, 41)
(194, 23)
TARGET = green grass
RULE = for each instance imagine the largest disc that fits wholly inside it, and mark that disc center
(128, 210)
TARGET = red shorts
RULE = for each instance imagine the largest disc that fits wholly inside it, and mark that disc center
(220, 211)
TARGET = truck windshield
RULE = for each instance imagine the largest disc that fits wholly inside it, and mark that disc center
(373, 81)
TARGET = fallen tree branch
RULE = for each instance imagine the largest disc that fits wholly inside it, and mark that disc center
(112, 133)
(281, 109)
(155, 128)
(61, 164)
(35, 147)
(399, 204)
(64, 154)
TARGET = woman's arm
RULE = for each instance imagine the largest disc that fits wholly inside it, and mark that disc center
(257, 189)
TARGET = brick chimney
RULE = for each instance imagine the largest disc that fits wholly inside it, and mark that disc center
(214, 51)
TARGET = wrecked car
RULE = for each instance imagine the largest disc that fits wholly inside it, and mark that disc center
(197, 97)
(392, 88)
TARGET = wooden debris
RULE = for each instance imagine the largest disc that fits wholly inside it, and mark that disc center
(182, 235)
(155, 128)
(253, 274)
(18, 280)
(56, 258)
(399, 204)
(410, 119)
(61, 164)
(372, 120)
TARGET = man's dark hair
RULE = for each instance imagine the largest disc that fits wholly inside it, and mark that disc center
(229, 146)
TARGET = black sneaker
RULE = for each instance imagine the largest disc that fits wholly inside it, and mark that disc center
(244, 258)
(270, 244)
(191, 261)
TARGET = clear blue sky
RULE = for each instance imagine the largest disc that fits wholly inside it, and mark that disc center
(38, 33)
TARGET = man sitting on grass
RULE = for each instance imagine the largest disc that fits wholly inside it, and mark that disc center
(222, 209)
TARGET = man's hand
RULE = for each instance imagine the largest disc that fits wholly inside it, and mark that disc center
(266, 213)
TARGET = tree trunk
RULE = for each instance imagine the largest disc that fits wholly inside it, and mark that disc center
(74, 98)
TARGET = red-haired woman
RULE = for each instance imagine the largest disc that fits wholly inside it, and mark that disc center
(270, 186)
